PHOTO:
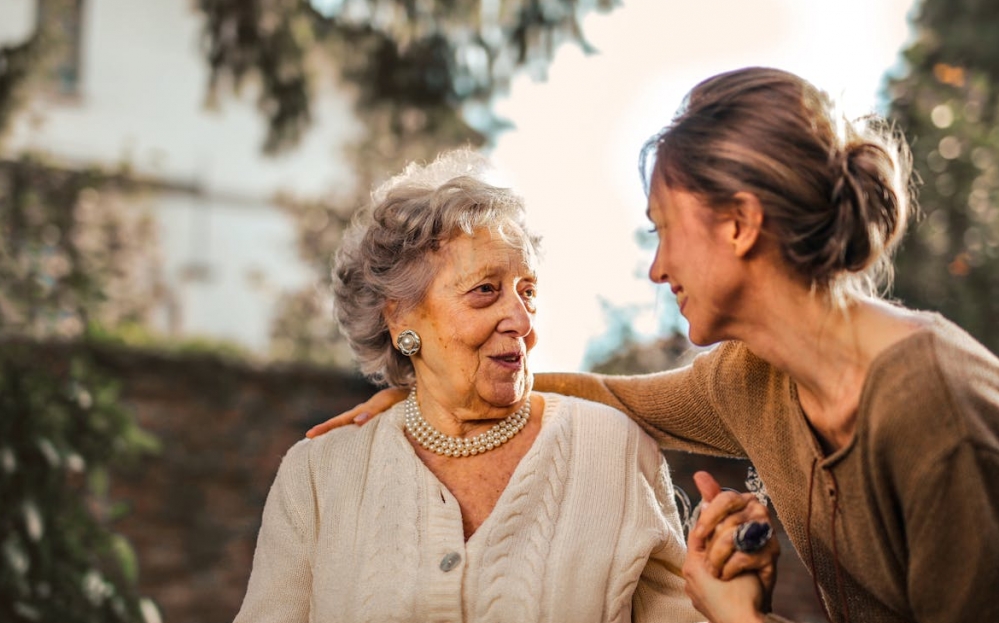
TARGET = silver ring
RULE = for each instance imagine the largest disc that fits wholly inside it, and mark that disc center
(752, 536)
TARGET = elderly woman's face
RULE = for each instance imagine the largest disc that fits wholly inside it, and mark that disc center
(477, 324)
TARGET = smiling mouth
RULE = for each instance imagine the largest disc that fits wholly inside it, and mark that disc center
(509, 359)
(681, 298)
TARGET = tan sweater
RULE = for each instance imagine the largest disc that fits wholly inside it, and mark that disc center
(356, 528)
(900, 525)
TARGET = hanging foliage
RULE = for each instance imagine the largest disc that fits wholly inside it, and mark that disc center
(76, 253)
(434, 57)
(72, 259)
(61, 430)
(424, 75)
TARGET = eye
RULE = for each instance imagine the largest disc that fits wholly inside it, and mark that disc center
(485, 288)
(530, 294)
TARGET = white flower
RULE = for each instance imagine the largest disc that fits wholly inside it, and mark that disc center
(95, 588)
(50, 452)
(75, 463)
(33, 521)
(17, 559)
(150, 613)
(84, 399)
(27, 612)
(7, 460)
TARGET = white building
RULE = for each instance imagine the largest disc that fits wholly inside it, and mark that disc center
(135, 91)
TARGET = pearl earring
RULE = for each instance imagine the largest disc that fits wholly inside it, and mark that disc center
(408, 343)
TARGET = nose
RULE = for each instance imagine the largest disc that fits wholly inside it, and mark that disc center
(657, 272)
(518, 316)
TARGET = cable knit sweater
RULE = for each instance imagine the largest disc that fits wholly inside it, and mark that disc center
(901, 524)
(356, 528)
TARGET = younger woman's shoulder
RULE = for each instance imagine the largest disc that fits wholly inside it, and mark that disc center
(938, 383)
(939, 348)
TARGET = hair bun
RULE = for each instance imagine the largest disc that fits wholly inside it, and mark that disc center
(869, 206)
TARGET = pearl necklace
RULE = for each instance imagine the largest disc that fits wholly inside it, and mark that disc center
(439, 443)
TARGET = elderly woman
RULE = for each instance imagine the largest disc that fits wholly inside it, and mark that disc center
(474, 499)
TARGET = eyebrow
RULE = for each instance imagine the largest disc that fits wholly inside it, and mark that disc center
(488, 273)
(492, 271)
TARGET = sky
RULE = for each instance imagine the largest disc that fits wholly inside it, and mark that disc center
(573, 151)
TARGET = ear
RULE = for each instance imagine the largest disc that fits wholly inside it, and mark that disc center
(746, 224)
(391, 315)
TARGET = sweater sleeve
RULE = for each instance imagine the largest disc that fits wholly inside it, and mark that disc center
(659, 595)
(678, 408)
(280, 586)
(952, 534)
(937, 446)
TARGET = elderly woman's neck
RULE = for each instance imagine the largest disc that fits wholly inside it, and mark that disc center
(461, 418)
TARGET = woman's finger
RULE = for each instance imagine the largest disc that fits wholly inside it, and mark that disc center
(761, 560)
(708, 488)
(706, 485)
(720, 548)
(718, 509)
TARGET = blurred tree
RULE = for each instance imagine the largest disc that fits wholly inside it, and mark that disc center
(947, 105)
(425, 74)
(61, 429)
(418, 63)
(25, 64)
(72, 259)
(17, 62)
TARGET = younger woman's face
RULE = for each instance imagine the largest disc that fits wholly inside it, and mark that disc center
(695, 259)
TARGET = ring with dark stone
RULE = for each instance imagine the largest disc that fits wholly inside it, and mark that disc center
(752, 536)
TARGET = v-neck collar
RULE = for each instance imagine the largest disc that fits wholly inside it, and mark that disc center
(548, 416)
(877, 367)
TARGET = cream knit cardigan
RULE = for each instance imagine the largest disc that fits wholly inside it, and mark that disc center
(356, 528)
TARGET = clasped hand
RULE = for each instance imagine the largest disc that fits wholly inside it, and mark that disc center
(725, 584)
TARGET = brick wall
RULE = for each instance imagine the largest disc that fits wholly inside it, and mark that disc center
(195, 507)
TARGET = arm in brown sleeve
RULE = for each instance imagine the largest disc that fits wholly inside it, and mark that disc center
(677, 408)
(952, 534)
